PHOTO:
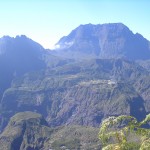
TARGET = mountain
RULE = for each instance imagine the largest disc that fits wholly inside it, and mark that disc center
(20, 55)
(29, 130)
(95, 72)
(21, 130)
(17, 56)
(114, 40)
(81, 93)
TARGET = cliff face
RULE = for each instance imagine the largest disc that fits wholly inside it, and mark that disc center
(28, 130)
(83, 94)
(25, 130)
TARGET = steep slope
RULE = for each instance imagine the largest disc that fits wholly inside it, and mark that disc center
(113, 40)
(18, 56)
(79, 93)
(29, 131)
(25, 130)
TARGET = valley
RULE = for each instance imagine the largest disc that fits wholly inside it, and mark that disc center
(95, 72)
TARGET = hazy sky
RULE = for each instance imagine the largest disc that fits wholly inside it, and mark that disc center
(46, 21)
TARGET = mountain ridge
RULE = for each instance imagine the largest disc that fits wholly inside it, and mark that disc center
(113, 40)
(94, 74)
(66, 94)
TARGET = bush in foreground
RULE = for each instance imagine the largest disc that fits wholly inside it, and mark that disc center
(125, 133)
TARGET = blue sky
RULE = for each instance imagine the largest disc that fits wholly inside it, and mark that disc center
(46, 21)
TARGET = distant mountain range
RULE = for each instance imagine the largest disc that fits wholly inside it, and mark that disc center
(95, 72)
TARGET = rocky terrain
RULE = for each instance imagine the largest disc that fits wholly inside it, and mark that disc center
(95, 72)
(29, 131)
(113, 40)
(109, 87)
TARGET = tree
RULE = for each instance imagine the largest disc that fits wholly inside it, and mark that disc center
(125, 133)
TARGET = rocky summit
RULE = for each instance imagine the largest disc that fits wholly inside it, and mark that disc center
(114, 40)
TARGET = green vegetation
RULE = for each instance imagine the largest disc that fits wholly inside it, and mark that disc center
(71, 144)
(75, 95)
(80, 93)
(125, 133)
(29, 130)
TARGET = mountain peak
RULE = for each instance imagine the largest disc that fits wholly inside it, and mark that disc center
(89, 31)
(7, 37)
(110, 40)
(119, 24)
(20, 54)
